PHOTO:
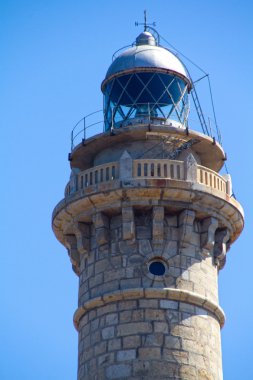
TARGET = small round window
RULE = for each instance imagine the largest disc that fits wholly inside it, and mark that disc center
(157, 268)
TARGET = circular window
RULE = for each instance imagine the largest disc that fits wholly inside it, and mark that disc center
(157, 268)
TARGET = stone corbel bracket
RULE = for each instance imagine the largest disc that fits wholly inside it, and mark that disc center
(82, 233)
(128, 223)
(74, 255)
(207, 237)
(186, 226)
(101, 224)
(221, 246)
(158, 227)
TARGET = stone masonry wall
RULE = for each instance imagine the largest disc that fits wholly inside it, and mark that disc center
(149, 339)
(137, 336)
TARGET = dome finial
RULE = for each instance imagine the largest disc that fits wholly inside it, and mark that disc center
(145, 20)
(145, 23)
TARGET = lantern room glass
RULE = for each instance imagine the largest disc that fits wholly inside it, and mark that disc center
(145, 94)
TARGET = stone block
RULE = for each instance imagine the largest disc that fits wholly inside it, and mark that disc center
(158, 223)
(181, 357)
(183, 306)
(96, 280)
(125, 355)
(135, 261)
(148, 303)
(130, 283)
(94, 324)
(143, 232)
(131, 341)
(134, 328)
(153, 340)
(173, 342)
(208, 228)
(145, 247)
(108, 332)
(102, 236)
(106, 358)
(118, 371)
(106, 309)
(186, 225)
(154, 315)
(183, 332)
(114, 344)
(170, 249)
(101, 266)
(111, 319)
(82, 232)
(127, 247)
(190, 167)
(188, 372)
(125, 316)
(100, 220)
(128, 305)
(100, 348)
(171, 220)
(162, 327)
(125, 166)
(149, 353)
(95, 337)
(137, 315)
(168, 304)
(128, 230)
(128, 225)
(142, 368)
(107, 287)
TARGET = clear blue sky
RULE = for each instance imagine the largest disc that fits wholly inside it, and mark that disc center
(53, 56)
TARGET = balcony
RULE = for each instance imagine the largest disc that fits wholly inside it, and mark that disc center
(144, 169)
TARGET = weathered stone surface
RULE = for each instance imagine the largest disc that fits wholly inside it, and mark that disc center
(101, 224)
(118, 371)
(220, 247)
(126, 355)
(128, 225)
(133, 324)
(207, 238)
(71, 244)
(125, 166)
(186, 220)
(158, 223)
(82, 232)
(190, 168)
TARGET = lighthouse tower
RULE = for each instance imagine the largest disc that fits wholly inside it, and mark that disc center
(147, 221)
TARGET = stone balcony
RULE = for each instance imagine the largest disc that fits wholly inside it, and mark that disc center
(108, 173)
(165, 169)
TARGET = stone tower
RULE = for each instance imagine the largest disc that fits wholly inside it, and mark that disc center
(147, 221)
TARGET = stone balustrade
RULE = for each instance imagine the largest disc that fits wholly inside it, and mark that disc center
(148, 169)
(157, 168)
(212, 179)
(97, 174)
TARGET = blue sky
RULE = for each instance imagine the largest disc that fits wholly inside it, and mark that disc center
(53, 58)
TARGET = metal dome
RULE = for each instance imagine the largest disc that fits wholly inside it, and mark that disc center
(146, 55)
(146, 80)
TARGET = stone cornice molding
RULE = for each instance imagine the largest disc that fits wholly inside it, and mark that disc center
(163, 293)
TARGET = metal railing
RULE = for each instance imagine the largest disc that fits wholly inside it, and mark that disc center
(94, 123)
(85, 125)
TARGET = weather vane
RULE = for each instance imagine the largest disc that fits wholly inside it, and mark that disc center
(145, 22)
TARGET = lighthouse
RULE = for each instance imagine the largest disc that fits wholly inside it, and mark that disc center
(147, 221)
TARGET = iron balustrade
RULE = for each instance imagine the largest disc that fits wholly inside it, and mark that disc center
(93, 123)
